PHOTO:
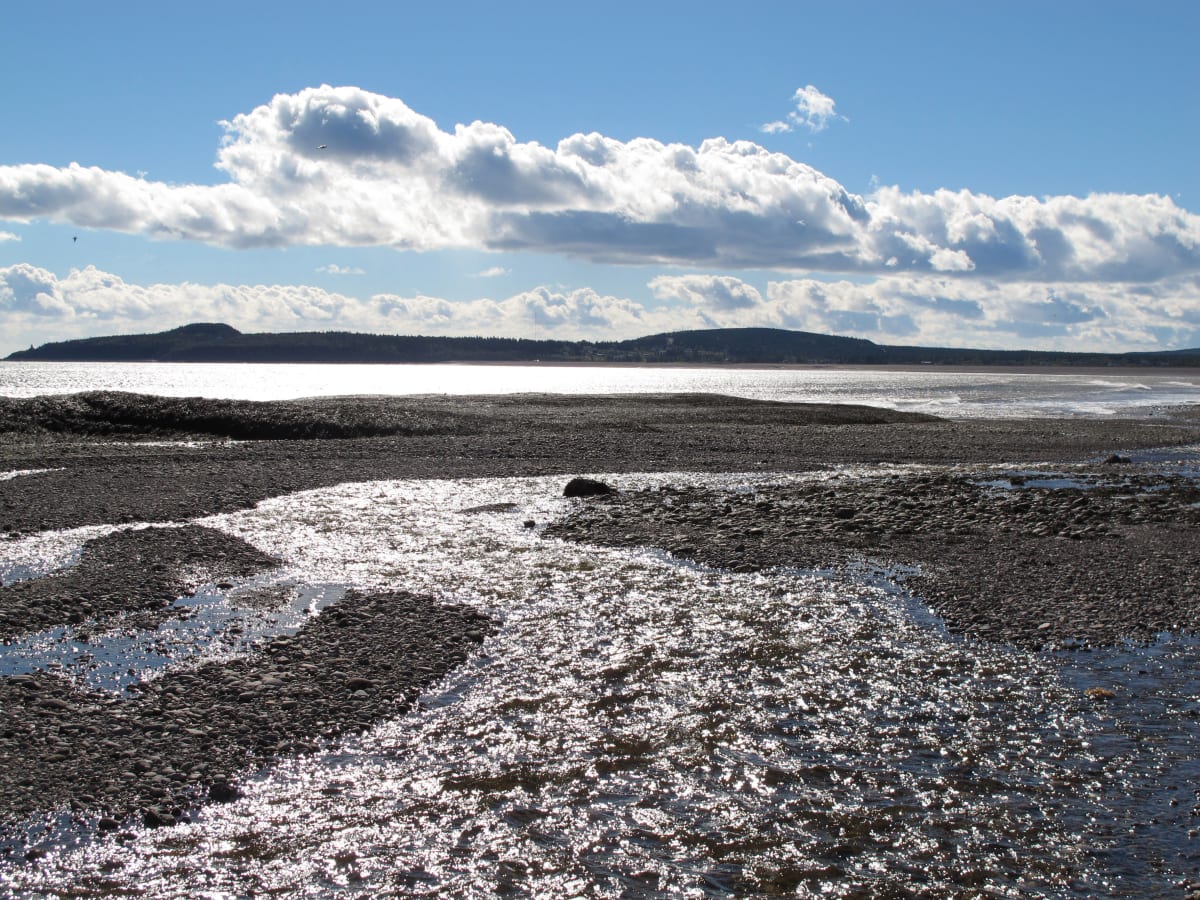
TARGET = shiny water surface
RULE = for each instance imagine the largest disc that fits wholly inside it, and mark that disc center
(640, 727)
(947, 391)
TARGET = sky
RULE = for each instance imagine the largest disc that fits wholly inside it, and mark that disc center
(997, 174)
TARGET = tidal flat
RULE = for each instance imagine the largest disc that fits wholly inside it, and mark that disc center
(1028, 543)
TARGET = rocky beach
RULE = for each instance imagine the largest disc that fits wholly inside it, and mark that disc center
(1043, 534)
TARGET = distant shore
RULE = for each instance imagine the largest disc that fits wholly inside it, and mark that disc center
(1113, 555)
(218, 342)
(1188, 372)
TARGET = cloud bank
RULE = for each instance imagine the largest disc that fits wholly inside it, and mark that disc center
(941, 311)
(346, 167)
(908, 309)
(41, 307)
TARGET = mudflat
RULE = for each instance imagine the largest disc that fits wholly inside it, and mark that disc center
(113, 458)
(1043, 533)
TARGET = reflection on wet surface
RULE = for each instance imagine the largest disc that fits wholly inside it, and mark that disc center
(638, 727)
(17, 473)
(213, 621)
(42, 554)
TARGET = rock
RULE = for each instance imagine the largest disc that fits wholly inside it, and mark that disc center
(223, 792)
(586, 487)
(154, 817)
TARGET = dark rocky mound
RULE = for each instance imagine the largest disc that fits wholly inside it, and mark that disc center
(111, 414)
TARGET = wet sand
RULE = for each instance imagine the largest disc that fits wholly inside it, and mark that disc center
(1033, 567)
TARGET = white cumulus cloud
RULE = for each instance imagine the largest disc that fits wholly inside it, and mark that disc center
(718, 293)
(389, 176)
(335, 269)
(947, 311)
(814, 111)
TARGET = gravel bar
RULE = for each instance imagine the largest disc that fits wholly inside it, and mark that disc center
(186, 736)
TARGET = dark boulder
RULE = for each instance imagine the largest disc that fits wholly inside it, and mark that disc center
(586, 487)
(223, 792)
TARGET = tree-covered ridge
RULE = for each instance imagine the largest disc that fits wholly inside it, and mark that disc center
(206, 342)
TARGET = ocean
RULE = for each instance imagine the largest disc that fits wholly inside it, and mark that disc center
(954, 392)
(640, 726)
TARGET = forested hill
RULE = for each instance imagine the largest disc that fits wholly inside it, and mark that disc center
(221, 343)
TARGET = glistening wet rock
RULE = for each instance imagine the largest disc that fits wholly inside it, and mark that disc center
(124, 477)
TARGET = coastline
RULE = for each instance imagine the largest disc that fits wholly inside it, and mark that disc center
(925, 368)
(974, 546)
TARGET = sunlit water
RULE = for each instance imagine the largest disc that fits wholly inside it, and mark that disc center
(941, 391)
(642, 727)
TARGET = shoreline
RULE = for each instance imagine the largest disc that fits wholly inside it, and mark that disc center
(125, 469)
(954, 368)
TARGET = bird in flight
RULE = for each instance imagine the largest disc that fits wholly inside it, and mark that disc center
(322, 146)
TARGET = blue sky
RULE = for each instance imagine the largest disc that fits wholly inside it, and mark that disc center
(1010, 174)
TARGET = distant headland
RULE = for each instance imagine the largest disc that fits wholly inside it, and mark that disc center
(210, 342)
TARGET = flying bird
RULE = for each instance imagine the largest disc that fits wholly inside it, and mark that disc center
(74, 239)
(322, 146)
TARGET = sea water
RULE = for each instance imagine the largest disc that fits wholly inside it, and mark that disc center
(639, 726)
(947, 391)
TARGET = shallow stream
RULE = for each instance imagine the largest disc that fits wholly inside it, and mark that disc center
(642, 727)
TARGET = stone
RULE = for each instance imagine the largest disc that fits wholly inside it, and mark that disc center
(586, 487)
(223, 792)
(155, 817)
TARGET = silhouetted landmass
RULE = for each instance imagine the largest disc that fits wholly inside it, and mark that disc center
(221, 343)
